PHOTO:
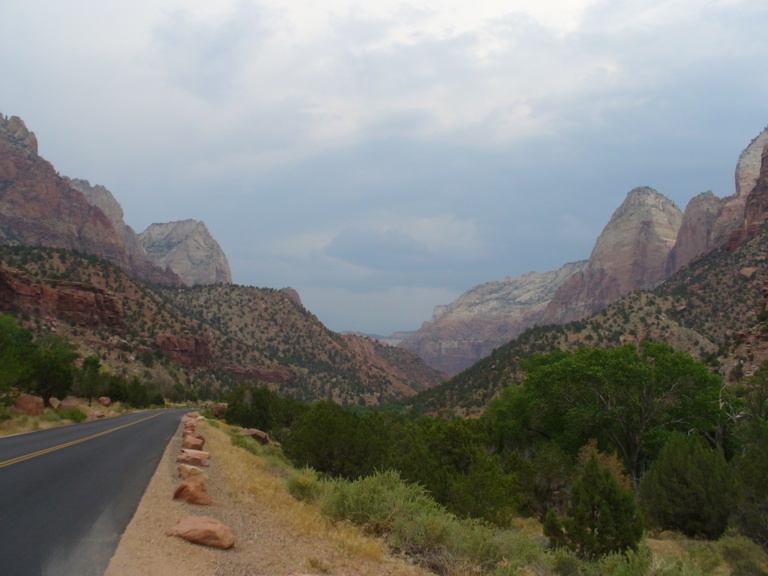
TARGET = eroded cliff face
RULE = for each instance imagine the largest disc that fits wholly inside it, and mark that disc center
(695, 236)
(484, 318)
(731, 217)
(75, 302)
(630, 254)
(756, 206)
(187, 248)
(40, 208)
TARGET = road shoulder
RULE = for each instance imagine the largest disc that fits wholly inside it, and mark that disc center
(275, 534)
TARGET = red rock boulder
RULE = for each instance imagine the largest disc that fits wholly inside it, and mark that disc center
(186, 471)
(193, 442)
(29, 405)
(193, 490)
(260, 436)
(205, 531)
(193, 457)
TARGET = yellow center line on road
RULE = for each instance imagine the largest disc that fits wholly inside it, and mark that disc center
(44, 451)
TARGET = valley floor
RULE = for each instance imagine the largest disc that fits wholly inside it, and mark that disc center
(275, 534)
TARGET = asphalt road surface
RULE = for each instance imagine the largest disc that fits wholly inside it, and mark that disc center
(67, 494)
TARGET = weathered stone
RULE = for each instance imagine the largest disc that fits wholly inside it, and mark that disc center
(71, 301)
(193, 457)
(193, 442)
(54, 403)
(748, 272)
(630, 254)
(205, 531)
(260, 436)
(29, 405)
(187, 350)
(695, 236)
(193, 490)
(484, 318)
(185, 471)
(187, 248)
(104, 401)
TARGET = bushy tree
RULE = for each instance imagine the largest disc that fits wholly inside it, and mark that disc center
(53, 367)
(336, 441)
(602, 516)
(630, 400)
(752, 502)
(89, 380)
(16, 352)
(689, 488)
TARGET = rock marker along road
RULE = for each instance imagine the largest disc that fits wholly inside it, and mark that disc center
(67, 494)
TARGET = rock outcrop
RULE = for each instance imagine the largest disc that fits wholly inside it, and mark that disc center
(756, 206)
(695, 236)
(186, 350)
(630, 254)
(204, 531)
(74, 302)
(731, 217)
(187, 248)
(193, 490)
(485, 317)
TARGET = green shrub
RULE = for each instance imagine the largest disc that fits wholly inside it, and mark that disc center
(602, 517)
(752, 503)
(304, 485)
(74, 414)
(688, 488)
(418, 526)
(744, 557)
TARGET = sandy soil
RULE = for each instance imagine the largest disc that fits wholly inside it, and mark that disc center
(275, 534)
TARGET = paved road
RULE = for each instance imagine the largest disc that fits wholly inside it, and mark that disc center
(67, 494)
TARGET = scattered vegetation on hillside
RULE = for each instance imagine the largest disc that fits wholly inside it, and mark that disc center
(546, 481)
(703, 310)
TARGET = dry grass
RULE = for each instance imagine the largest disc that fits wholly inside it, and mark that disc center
(255, 480)
(21, 423)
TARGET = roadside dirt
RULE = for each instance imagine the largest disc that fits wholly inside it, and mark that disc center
(275, 534)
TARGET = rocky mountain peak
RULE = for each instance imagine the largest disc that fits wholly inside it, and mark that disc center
(187, 248)
(13, 129)
(695, 236)
(748, 166)
(756, 205)
(99, 196)
(630, 254)
(646, 217)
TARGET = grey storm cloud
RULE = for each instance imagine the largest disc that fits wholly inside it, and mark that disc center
(381, 157)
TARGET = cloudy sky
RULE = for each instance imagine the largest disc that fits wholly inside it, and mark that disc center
(384, 156)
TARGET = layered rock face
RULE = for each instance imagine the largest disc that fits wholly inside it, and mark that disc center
(630, 254)
(40, 208)
(187, 248)
(139, 264)
(756, 206)
(731, 215)
(77, 303)
(695, 236)
(484, 318)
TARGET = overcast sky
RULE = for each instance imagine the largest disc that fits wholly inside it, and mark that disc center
(384, 156)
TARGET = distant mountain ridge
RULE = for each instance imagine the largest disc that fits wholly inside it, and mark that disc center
(646, 241)
(715, 308)
(485, 317)
(160, 304)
